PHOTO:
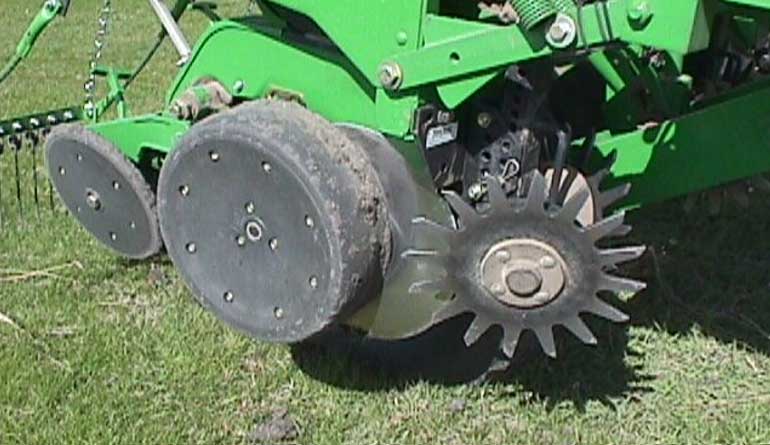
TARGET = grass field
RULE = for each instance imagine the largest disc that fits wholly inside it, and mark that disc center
(105, 351)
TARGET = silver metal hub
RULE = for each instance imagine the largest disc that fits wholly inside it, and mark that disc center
(93, 200)
(524, 273)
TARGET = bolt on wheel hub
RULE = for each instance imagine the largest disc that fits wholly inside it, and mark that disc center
(523, 273)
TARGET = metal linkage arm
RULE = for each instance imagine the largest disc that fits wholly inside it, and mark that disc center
(49, 11)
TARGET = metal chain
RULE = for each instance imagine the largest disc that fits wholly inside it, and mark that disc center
(99, 43)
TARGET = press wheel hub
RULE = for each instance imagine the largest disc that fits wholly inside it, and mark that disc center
(523, 273)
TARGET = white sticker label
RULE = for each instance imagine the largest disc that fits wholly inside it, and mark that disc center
(441, 135)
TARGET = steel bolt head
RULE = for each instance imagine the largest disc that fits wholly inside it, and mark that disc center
(278, 313)
(497, 289)
(391, 76)
(191, 248)
(313, 282)
(503, 256)
(562, 32)
(184, 190)
(548, 262)
(475, 191)
(309, 222)
(228, 297)
(484, 120)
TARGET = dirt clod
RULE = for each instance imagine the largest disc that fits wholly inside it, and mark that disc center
(279, 428)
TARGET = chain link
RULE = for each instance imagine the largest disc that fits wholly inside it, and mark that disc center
(100, 40)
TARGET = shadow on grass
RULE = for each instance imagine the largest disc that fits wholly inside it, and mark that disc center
(713, 274)
(439, 356)
(704, 272)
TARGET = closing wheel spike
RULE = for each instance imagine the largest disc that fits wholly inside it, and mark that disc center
(464, 211)
(614, 257)
(511, 337)
(620, 285)
(606, 227)
(497, 197)
(578, 327)
(527, 268)
(478, 327)
(544, 335)
(598, 307)
(571, 209)
(537, 194)
(612, 196)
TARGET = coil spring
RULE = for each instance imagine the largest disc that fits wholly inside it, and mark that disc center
(533, 12)
(563, 5)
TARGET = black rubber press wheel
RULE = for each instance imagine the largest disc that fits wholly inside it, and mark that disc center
(275, 219)
(104, 191)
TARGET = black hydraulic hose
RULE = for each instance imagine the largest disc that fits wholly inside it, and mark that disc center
(9, 67)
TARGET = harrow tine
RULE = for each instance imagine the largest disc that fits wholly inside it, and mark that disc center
(16, 145)
(43, 136)
(2, 150)
(32, 140)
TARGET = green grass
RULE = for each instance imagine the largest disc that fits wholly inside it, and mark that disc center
(108, 351)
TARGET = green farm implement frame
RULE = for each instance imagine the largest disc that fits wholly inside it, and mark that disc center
(461, 109)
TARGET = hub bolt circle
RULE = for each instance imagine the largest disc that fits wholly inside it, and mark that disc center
(548, 262)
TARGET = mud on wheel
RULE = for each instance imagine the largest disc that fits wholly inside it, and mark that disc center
(275, 219)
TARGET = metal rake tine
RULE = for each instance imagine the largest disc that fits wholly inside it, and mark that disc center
(43, 136)
(2, 149)
(16, 146)
(33, 139)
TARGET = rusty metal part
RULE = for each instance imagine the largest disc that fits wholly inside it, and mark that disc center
(206, 96)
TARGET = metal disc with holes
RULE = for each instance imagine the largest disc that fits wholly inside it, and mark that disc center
(104, 191)
(268, 228)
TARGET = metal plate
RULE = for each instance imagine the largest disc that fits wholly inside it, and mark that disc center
(248, 235)
(104, 191)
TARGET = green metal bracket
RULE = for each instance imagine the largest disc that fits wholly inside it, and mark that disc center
(704, 149)
(116, 95)
(135, 135)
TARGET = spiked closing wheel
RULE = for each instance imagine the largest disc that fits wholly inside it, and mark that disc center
(104, 191)
(523, 265)
(275, 220)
